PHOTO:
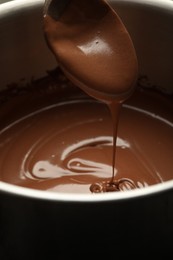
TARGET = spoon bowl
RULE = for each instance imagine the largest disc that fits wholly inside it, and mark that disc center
(93, 47)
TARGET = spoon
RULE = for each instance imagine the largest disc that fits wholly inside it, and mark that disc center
(92, 46)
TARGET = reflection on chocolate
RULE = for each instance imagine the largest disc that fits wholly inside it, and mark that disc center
(95, 51)
(55, 137)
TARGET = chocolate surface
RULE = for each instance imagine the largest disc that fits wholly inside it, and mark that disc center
(55, 137)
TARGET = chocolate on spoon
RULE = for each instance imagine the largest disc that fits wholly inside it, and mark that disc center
(92, 46)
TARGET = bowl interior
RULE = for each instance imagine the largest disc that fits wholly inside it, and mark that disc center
(25, 56)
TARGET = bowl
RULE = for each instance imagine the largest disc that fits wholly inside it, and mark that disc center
(37, 223)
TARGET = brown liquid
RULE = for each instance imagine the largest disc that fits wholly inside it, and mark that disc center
(95, 51)
(55, 137)
(61, 139)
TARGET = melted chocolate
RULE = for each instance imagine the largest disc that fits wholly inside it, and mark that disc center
(61, 140)
(64, 140)
(95, 51)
